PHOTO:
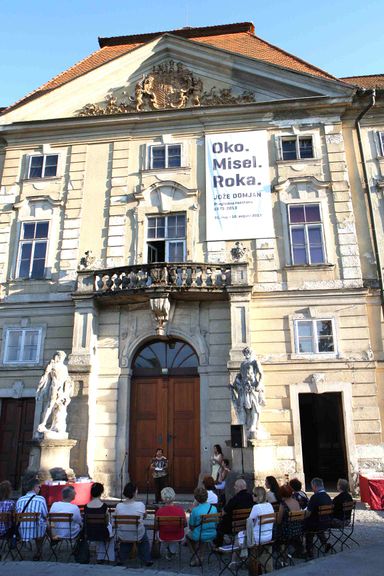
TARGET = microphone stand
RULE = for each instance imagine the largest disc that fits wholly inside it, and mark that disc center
(121, 476)
(147, 498)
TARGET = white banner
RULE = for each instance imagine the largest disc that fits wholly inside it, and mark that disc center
(238, 191)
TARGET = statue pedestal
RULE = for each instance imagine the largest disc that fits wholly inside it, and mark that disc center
(257, 459)
(51, 453)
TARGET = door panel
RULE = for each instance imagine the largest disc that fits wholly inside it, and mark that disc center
(165, 413)
(16, 429)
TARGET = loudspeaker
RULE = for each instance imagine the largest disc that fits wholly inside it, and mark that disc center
(237, 436)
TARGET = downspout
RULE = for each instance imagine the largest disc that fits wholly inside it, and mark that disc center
(369, 198)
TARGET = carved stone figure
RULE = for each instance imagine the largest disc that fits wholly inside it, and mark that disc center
(87, 261)
(160, 308)
(57, 383)
(248, 393)
(238, 251)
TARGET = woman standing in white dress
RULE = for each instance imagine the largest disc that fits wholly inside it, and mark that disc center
(216, 461)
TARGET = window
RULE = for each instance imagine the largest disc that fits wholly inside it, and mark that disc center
(167, 156)
(296, 147)
(381, 142)
(314, 337)
(306, 234)
(166, 238)
(32, 250)
(43, 166)
(22, 345)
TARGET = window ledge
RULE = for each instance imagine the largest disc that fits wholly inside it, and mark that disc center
(176, 169)
(47, 179)
(18, 365)
(324, 266)
(299, 161)
(315, 357)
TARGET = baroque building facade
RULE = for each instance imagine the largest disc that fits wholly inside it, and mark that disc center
(152, 260)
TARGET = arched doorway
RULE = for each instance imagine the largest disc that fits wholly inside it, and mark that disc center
(165, 412)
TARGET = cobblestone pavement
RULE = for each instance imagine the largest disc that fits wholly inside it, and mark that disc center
(365, 560)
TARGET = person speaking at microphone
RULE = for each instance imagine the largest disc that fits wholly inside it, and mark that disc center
(159, 468)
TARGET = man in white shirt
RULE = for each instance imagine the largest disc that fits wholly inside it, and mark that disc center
(64, 529)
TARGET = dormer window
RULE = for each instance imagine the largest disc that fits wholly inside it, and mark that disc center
(43, 166)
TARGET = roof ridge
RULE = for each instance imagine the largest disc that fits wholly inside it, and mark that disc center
(187, 32)
(295, 57)
(362, 76)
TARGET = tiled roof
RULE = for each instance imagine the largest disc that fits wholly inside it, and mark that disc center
(237, 38)
(369, 81)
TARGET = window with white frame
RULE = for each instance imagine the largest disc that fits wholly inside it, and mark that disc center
(43, 166)
(381, 142)
(296, 147)
(306, 234)
(165, 156)
(166, 236)
(314, 336)
(22, 345)
(32, 249)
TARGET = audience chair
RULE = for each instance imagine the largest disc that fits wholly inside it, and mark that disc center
(229, 554)
(321, 535)
(198, 552)
(94, 522)
(128, 524)
(173, 523)
(56, 522)
(30, 521)
(342, 532)
(290, 545)
(7, 519)
(262, 553)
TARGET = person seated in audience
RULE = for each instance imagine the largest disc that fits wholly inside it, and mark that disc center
(241, 500)
(312, 521)
(65, 529)
(101, 533)
(290, 531)
(200, 533)
(261, 507)
(299, 494)
(272, 487)
(125, 534)
(33, 502)
(344, 496)
(209, 485)
(222, 474)
(6, 506)
(171, 534)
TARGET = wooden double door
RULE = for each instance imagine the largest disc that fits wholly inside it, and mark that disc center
(16, 429)
(165, 413)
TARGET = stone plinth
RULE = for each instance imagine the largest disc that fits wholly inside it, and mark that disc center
(259, 459)
(54, 453)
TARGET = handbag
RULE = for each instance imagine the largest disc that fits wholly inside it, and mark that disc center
(81, 551)
(155, 550)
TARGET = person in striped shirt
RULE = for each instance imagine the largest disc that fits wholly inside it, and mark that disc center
(32, 502)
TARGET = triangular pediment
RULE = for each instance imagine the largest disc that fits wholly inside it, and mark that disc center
(172, 73)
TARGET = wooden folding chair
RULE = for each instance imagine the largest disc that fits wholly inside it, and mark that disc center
(321, 535)
(93, 523)
(343, 532)
(27, 526)
(198, 545)
(170, 524)
(6, 543)
(291, 537)
(60, 521)
(262, 552)
(228, 552)
(129, 527)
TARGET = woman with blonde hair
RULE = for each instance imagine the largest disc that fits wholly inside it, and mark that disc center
(261, 507)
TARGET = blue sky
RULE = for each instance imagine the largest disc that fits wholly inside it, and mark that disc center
(41, 38)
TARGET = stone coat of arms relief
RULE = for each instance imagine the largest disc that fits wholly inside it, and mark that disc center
(170, 85)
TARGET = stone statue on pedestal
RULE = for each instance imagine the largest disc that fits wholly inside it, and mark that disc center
(57, 383)
(248, 394)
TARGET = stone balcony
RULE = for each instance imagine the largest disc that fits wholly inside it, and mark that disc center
(182, 280)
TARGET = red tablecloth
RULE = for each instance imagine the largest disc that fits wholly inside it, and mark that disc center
(53, 493)
(372, 491)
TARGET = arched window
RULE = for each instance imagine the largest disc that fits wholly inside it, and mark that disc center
(162, 357)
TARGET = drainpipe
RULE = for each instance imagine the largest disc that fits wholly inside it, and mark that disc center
(368, 193)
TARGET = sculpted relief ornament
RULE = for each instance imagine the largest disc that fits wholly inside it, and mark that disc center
(170, 85)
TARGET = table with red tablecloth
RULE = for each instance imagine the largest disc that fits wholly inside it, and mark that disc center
(372, 490)
(52, 492)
